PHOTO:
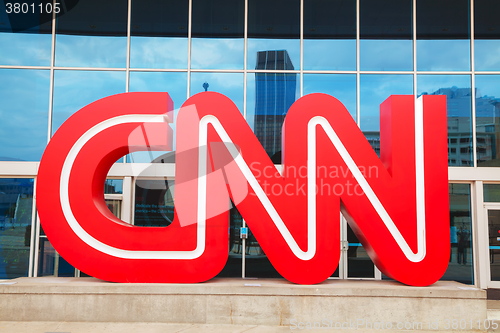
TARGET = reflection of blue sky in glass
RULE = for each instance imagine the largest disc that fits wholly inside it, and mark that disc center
(229, 84)
(173, 83)
(75, 89)
(375, 89)
(443, 55)
(385, 55)
(340, 86)
(24, 49)
(251, 97)
(217, 53)
(255, 45)
(91, 51)
(24, 113)
(325, 54)
(158, 52)
(486, 53)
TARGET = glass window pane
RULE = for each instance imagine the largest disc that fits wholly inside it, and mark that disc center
(154, 202)
(229, 84)
(385, 35)
(175, 84)
(340, 86)
(374, 90)
(75, 89)
(274, 25)
(443, 35)
(330, 35)
(488, 120)
(93, 34)
(25, 39)
(113, 186)
(458, 101)
(50, 263)
(234, 261)
(24, 114)
(461, 266)
(486, 35)
(217, 34)
(16, 208)
(269, 96)
(159, 33)
(491, 192)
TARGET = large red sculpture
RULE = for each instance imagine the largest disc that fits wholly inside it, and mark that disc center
(396, 204)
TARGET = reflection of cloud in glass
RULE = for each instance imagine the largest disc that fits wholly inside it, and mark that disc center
(443, 55)
(219, 53)
(432, 83)
(75, 89)
(389, 55)
(91, 51)
(323, 54)
(229, 84)
(158, 52)
(257, 44)
(24, 113)
(375, 89)
(340, 86)
(486, 54)
(173, 83)
(22, 49)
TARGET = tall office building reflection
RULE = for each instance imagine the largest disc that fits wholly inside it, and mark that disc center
(458, 101)
(274, 94)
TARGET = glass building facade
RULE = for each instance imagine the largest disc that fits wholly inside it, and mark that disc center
(263, 55)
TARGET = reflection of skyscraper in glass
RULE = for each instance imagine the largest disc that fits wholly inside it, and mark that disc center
(458, 102)
(274, 94)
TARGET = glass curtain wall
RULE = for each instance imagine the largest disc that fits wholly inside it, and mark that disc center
(51, 65)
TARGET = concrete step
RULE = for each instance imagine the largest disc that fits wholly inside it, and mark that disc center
(88, 327)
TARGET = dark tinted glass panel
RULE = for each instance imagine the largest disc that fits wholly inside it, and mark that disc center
(340, 86)
(458, 101)
(25, 38)
(50, 263)
(234, 261)
(218, 34)
(443, 35)
(93, 34)
(491, 192)
(359, 264)
(256, 262)
(486, 35)
(24, 113)
(229, 84)
(461, 266)
(269, 96)
(330, 29)
(154, 202)
(176, 86)
(159, 33)
(16, 207)
(274, 25)
(488, 120)
(385, 35)
(75, 89)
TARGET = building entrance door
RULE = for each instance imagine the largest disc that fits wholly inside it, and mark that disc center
(246, 253)
(354, 260)
(493, 216)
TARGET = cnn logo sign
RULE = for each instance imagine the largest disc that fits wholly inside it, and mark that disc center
(400, 213)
